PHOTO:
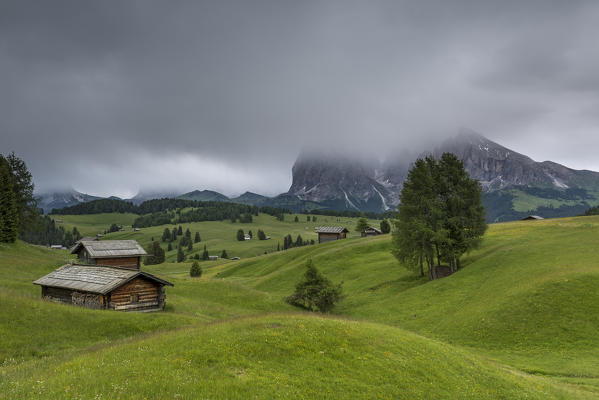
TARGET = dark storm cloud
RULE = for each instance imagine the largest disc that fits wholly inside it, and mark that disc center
(111, 96)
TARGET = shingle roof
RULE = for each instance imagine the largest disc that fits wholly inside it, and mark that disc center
(372, 228)
(92, 279)
(330, 229)
(110, 248)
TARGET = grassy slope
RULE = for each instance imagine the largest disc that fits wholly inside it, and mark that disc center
(526, 298)
(282, 356)
(216, 235)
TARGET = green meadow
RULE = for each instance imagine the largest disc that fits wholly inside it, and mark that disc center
(519, 320)
(215, 235)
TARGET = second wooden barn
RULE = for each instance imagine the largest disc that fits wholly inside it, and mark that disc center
(104, 288)
(329, 233)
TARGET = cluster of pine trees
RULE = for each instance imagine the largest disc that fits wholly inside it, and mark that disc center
(155, 255)
(441, 215)
(288, 242)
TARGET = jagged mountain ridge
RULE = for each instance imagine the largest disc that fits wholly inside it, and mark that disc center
(349, 183)
(61, 199)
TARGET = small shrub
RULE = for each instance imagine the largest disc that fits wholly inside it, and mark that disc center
(195, 270)
(315, 292)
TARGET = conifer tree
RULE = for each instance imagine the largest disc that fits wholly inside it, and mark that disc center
(195, 270)
(9, 214)
(240, 235)
(188, 233)
(362, 224)
(189, 245)
(197, 238)
(205, 255)
(180, 231)
(180, 255)
(170, 247)
(166, 235)
(25, 203)
(251, 234)
(315, 292)
(224, 254)
(296, 219)
(261, 235)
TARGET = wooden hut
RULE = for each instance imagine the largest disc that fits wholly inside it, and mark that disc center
(104, 288)
(371, 231)
(114, 253)
(532, 218)
(328, 233)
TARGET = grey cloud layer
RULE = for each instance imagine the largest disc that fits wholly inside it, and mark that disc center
(112, 96)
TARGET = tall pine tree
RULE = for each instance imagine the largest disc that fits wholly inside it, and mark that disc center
(9, 214)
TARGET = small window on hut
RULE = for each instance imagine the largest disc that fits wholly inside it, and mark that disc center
(134, 298)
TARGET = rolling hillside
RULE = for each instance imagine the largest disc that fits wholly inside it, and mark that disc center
(518, 321)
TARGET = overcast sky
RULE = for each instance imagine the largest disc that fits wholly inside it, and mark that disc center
(110, 97)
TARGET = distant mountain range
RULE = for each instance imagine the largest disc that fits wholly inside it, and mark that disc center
(514, 185)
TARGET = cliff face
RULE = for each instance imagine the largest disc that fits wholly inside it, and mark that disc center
(375, 186)
(341, 183)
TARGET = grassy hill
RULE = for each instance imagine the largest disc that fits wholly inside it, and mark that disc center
(518, 321)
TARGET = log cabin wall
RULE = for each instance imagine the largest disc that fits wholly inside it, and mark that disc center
(139, 294)
(327, 237)
(121, 262)
(69, 296)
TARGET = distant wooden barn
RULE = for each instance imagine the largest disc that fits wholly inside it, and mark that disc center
(371, 231)
(114, 253)
(104, 288)
(532, 218)
(329, 233)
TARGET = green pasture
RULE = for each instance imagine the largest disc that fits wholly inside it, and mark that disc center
(519, 320)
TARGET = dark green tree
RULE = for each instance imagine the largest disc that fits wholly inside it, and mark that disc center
(195, 270)
(170, 247)
(440, 215)
(180, 231)
(166, 235)
(27, 214)
(278, 246)
(189, 245)
(197, 238)
(315, 292)
(362, 224)
(205, 255)
(155, 254)
(261, 235)
(240, 235)
(313, 218)
(385, 226)
(299, 241)
(180, 255)
(224, 254)
(174, 235)
(296, 219)
(308, 218)
(188, 234)
(76, 234)
(9, 213)
(250, 234)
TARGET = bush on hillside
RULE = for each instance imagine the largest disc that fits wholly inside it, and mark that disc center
(195, 270)
(315, 292)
